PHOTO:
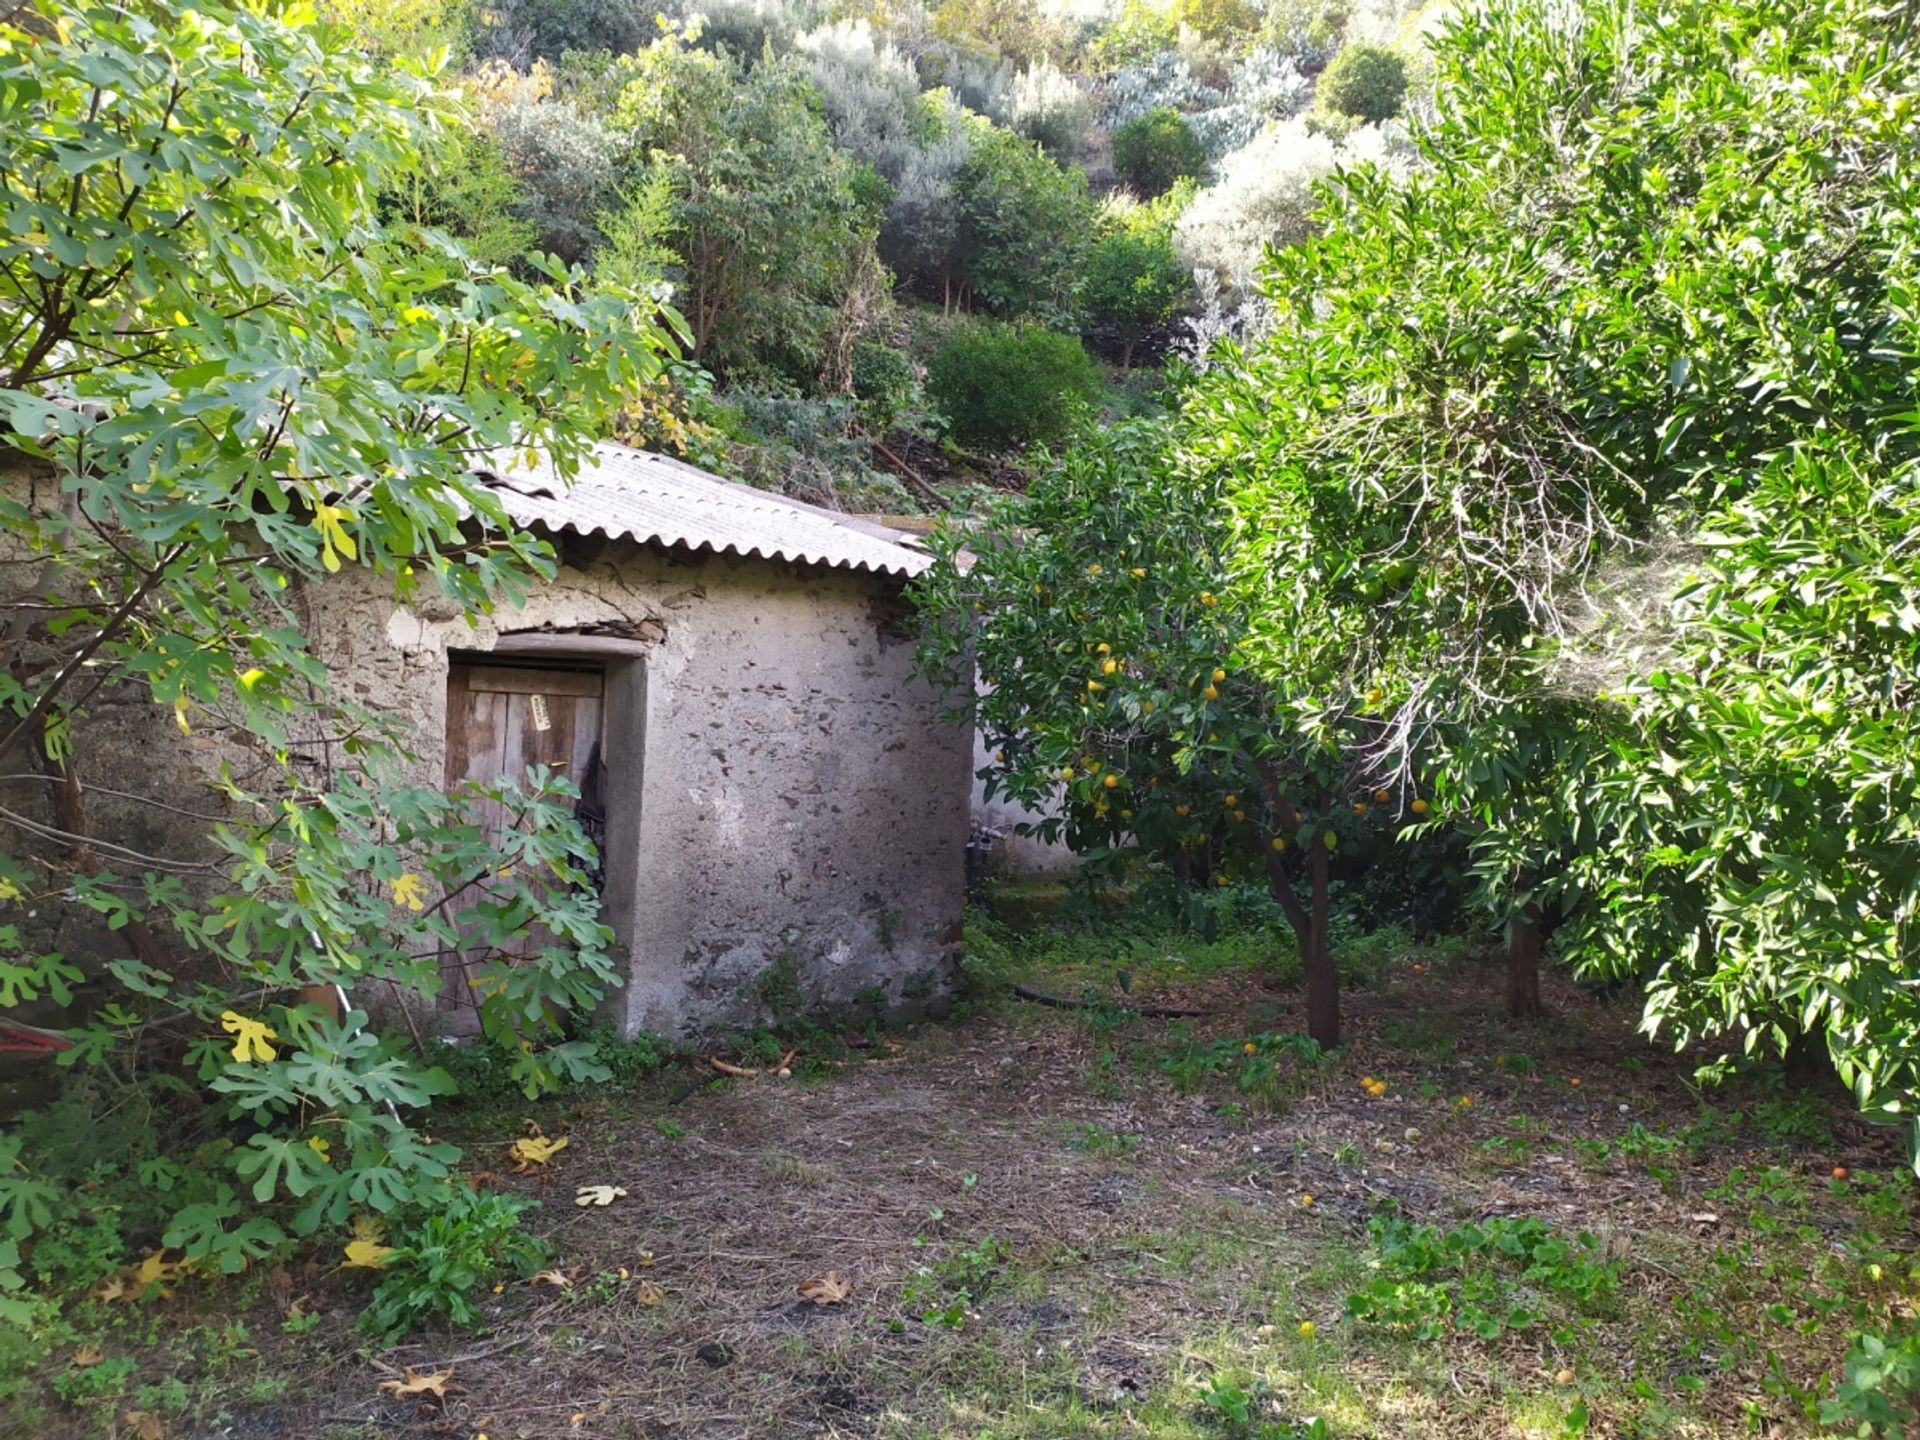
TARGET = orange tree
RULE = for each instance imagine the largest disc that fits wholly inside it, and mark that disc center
(1096, 616)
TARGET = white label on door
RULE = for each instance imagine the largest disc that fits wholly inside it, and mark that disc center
(538, 705)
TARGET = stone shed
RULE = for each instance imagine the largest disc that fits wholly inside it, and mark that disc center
(730, 671)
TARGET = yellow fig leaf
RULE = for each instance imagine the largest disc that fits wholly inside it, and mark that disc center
(597, 1194)
(322, 1147)
(334, 539)
(409, 890)
(8, 890)
(251, 1036)
(369, 1227)
(555, 1278)
(365, 1255)
(535, 1150)
(180, 716)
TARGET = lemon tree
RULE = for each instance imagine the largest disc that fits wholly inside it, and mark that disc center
(1098, 614)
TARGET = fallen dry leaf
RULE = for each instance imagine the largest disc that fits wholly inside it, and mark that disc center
(827, 1289)
(648, 1293)
(534, 1150)
(434, 1384)
(644, 1260)
(88, 1355)
(598, 1194)
(365, 1255)
(370, 1228)
(552, 1277)
(144, 1425)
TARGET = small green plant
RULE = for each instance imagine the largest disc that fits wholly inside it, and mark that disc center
(943, 1292)
(1098, 1140)
(301, 1323)
(1478, 1277)
(1879, 1391)
(85, 1386)
(670, 1129)
(441, 1257)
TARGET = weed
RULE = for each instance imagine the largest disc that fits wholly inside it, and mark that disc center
(441, 1257)
(86, 1386)
(1480, 1277)
(1096, 1140)
(670, 1129)
(1879, 1394)
(942, 1293)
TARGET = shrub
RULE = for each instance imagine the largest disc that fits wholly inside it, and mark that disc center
(521, 31)
(1266, 194)
(871, 94)
(563, 162)
(1156, 150)
(1046, 105)
(1000, 386)
(1135, 282)
(883, 384)
(1365, 82)
(1025, 225)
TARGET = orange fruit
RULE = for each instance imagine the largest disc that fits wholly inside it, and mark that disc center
(1111, 781)
(1419, 807)
(1839, 1172)
(1380, 797)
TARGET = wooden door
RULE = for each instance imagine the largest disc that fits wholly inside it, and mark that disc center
(500, 720)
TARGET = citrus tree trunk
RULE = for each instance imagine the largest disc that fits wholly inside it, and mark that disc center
(1523, 965)
(1323, 982)
(1311, 923)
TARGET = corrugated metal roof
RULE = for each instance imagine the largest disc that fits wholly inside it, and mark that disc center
(637, 495)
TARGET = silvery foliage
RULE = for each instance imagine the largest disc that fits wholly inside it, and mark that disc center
(1265, 193)
(746, 27)
(1219, 315)
(565, 162)
(1046, 104)
(1265, 85)
(923, 218)
(872, 94)
(982, 83)
(1165, 80)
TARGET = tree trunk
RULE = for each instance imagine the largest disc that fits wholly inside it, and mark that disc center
(1523, 966)
(1323, 982)
(1126, 353)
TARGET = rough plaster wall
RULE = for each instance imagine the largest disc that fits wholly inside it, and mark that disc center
(799, 796)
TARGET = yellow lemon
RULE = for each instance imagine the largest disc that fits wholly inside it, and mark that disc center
(1111, 781)
(1211, 693)
(1219, 675)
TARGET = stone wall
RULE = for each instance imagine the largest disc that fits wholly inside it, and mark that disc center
(799, 804)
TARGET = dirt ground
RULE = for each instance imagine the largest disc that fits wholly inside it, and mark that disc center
(1046, 1226)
